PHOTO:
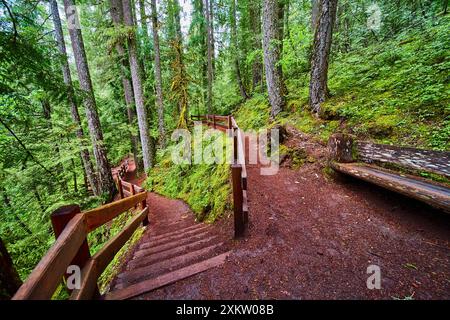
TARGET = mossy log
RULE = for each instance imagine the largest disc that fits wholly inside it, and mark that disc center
(412, 158)
(340, 148)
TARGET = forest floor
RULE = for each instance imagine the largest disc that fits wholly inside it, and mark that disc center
(313, 237)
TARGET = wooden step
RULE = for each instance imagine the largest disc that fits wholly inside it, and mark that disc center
(173, 244)
(142, 259)
(166, 279)
(173, 224)
(152, 270)
(186, 230)
(152, 242)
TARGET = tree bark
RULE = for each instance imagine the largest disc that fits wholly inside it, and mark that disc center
(255, 21)
(180, 79)
(84, 152)
(200, 32)
(318, 87)
(177, 8)
(272, 44)
(210, 56)
(234, 42)
(104, 170)
(144, 27)
(314, 14)
(213, 40)
(9, 278)
(117, 18)
(59, 168)
(146, 140)
(158, 77)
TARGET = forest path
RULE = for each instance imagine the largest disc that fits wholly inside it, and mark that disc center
(174, 246)
(312, 237)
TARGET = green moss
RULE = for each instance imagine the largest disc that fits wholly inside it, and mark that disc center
(205, 187)
(297, 157)
(254, 114)
(114, 267)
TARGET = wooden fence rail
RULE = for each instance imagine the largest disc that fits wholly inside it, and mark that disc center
(238, 167)
(71, 248)
(367, 161)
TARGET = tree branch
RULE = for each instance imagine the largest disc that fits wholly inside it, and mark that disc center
(23, 146)
(13, 19)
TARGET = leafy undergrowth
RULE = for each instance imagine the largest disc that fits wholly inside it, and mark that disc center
(114, 266)
(396, 92)
(205, 187)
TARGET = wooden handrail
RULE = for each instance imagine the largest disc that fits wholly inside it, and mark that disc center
(98, 263)
(44, 279)
(99, 216)
(238, 167)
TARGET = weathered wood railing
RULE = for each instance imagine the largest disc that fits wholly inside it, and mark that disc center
(238, 167)
(126, 189)
(364, 160)
(71, 248)
(123, 169)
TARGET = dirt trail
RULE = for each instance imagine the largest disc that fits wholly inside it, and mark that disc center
(312, 237)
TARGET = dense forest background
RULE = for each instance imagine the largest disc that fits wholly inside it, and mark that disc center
(137, 69)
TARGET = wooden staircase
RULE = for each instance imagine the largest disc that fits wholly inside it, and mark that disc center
(180, 250)
(173, 247)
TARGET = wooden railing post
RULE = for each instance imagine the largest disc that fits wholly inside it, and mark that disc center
(133, 192)
(60, 218)
(120, 187)
(145, 222)
(235, 146)
(214, 121)
(238, 198)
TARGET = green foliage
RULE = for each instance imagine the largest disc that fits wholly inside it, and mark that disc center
(99, 238)
(392, 92)
(254, 114)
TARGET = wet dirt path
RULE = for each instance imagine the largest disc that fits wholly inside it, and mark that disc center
(313, 237)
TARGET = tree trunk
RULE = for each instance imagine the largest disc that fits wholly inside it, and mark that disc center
(39, 199)
(178, 20)
(213, 41)
(314, 14)
(59, 168)
(74, 175)
(104, 170)
(180, 80)
(146, 140)
(318, 87)
(286, 13)
(272, 44)
(144, 26)
(9, 278)
(200, 32)
(117, 18)
(255, 21)
(234, 43)
(158, 77)
(140, 50)
(210, 56)
(84, 152)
